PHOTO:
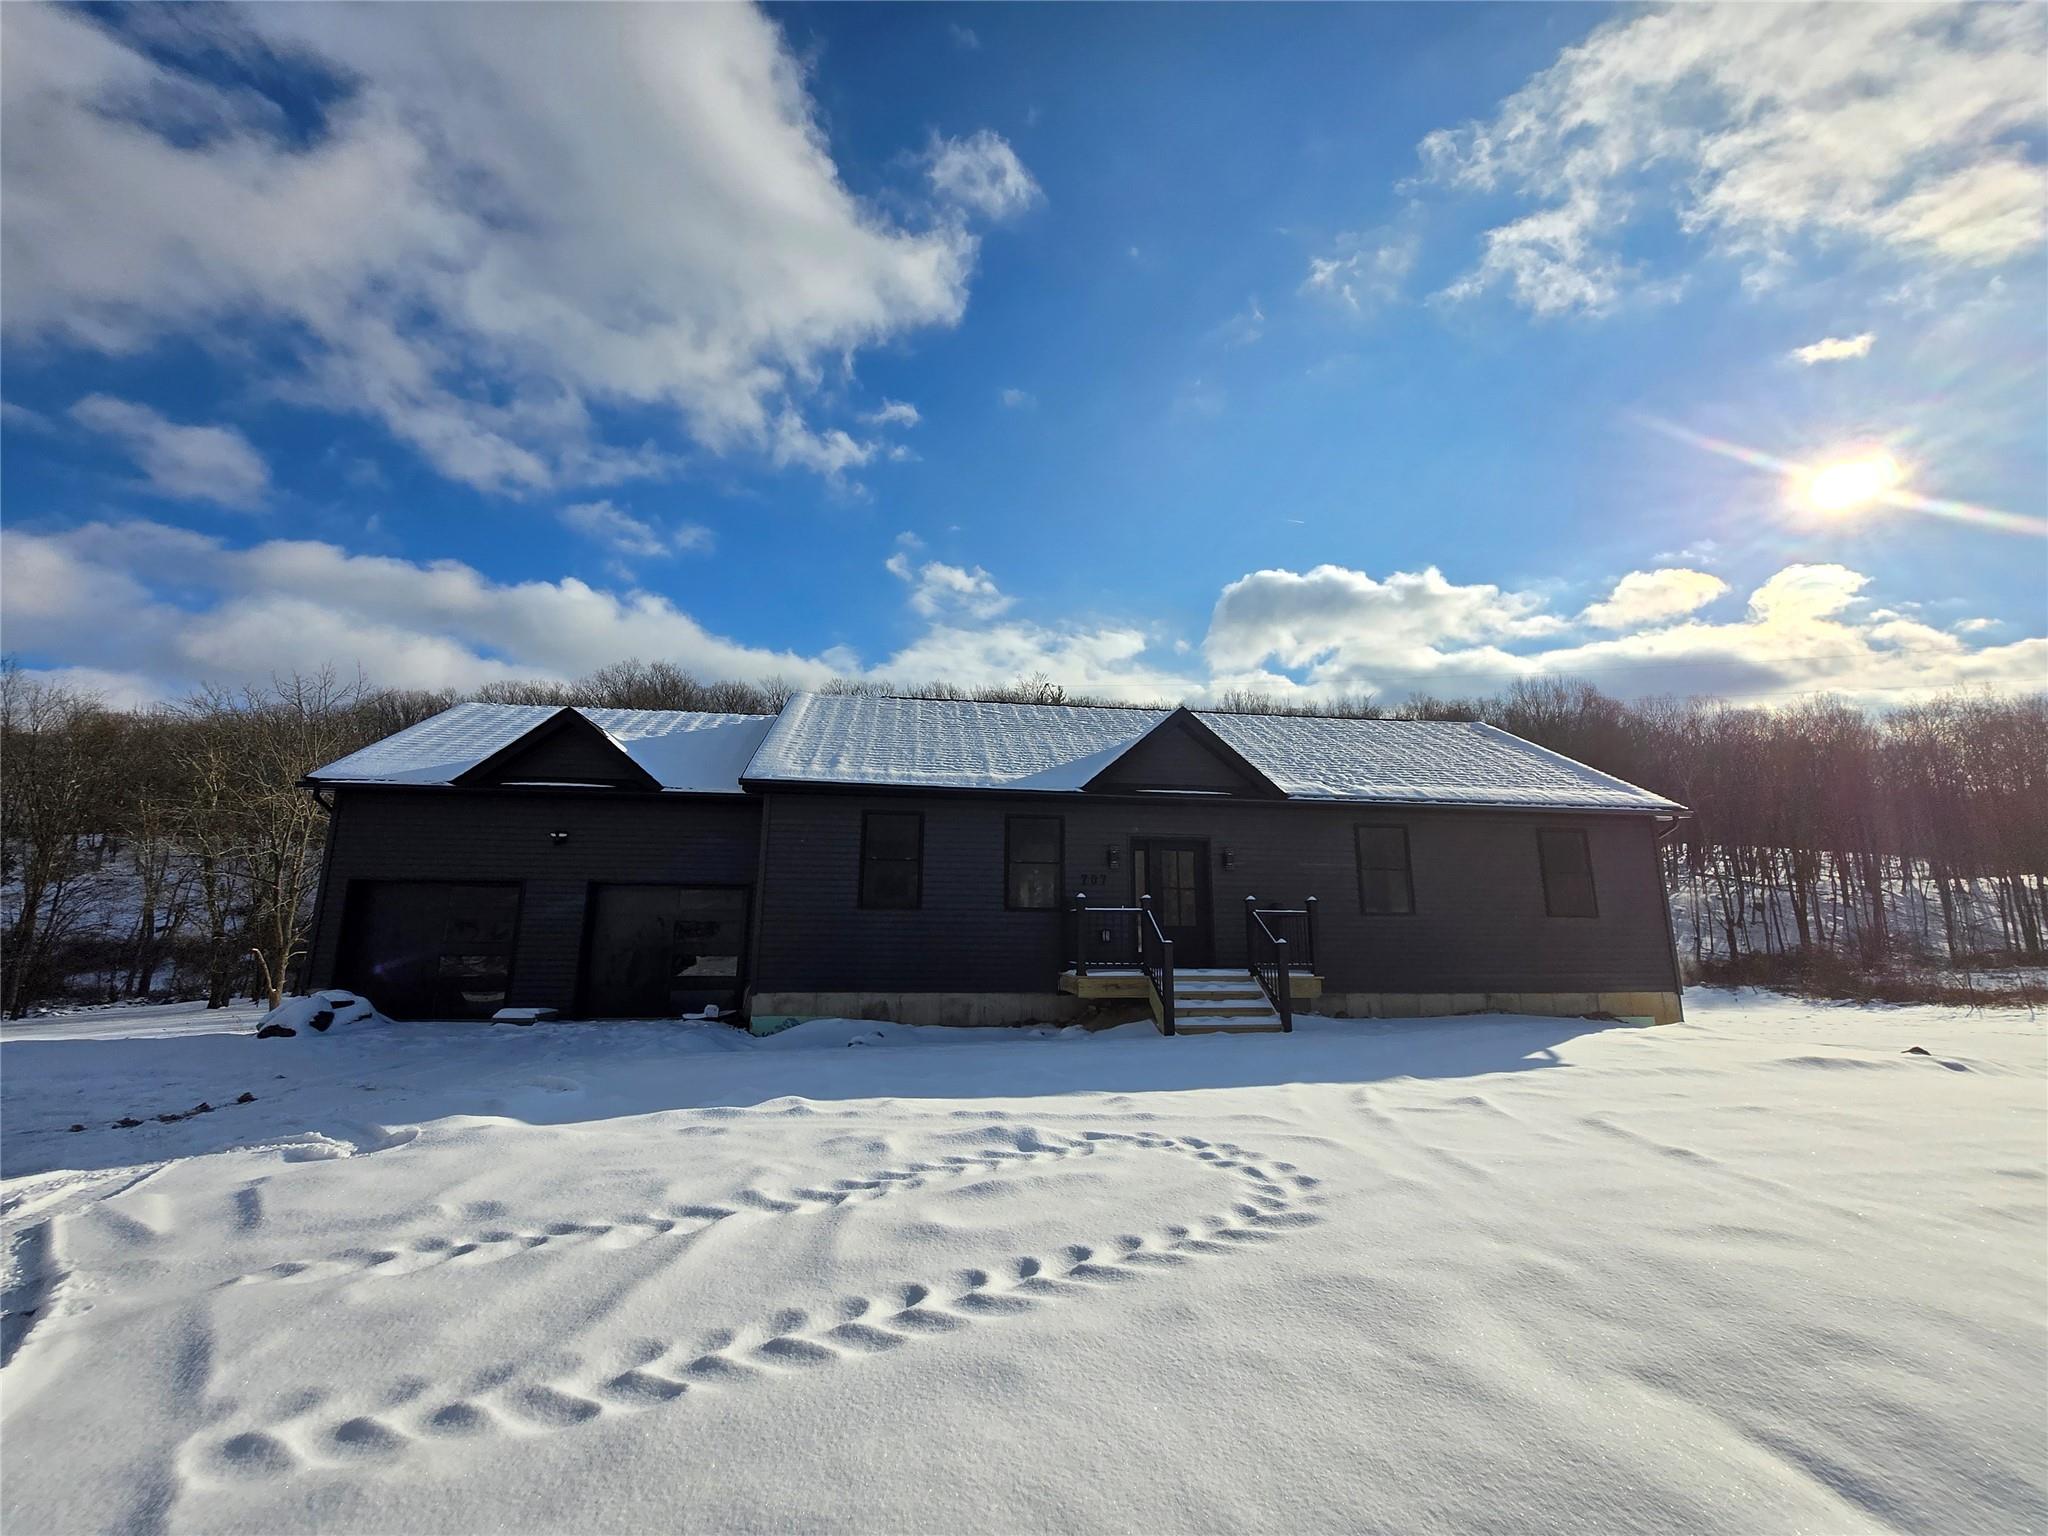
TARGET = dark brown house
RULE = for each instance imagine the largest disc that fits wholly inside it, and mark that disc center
(940, 862)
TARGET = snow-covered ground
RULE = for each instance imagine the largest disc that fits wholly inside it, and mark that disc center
(1759, 1272)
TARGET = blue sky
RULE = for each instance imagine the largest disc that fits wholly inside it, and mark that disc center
(1162, 350)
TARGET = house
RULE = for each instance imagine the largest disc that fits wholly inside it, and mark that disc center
(948, 862)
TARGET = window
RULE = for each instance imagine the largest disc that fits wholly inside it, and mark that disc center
(892, 860)
(1385, 883)
(1031, 863)
(1567, 872)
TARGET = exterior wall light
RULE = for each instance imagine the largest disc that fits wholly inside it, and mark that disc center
(1112, 855)
(558, 837)
(1229, 859)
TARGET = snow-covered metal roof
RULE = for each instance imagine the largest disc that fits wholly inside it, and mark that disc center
(856, 740)
(1421, 762)
(859, 741)
(684, 751)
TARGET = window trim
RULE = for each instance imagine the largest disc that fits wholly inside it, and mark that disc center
(1407, 858)
(1543, 871)
(1059, 880)
(916, 862)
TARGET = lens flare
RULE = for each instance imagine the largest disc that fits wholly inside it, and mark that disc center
(1849, 485)
(1839, 486)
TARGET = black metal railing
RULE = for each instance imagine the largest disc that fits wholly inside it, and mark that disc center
(1125, 939)
(1280, 944)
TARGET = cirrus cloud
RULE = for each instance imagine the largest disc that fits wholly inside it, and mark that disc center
(1909, 130)
(178, 461)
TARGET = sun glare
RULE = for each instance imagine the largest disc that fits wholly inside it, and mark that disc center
(1847, 485)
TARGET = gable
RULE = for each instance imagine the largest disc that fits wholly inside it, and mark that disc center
(1181, 755)
(564, 749)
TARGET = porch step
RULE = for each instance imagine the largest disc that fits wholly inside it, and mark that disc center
(1267, 1023)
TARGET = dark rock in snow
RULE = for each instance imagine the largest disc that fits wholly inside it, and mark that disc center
(201, 1108)
(322, 1019)
(170, 1119)
(127, 1122)
(275, 1032)
(78, 1127)
(247, 1098)
(1918, 1050)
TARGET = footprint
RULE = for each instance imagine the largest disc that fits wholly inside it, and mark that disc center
(795, 1351)
(458, 1418)
(253, 1457)
(864, 1338)
(851, 1327)
(924, 1320)
(551, 1407)
(715, 1368)
(365, 1439)
(642, 1388)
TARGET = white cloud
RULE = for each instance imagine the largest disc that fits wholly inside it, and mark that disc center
(1108, 660)
(1245, 327)
(191, 608)
(1018, 399)
(1911, 130)
(633, 537)
(964, 38)
(981, 172)
(829, 453)
(893, 413)
(1643, 598)
(1804, 631)
(1835, 349)
(185, 463)
(504, 221)
(1335, 618)
(937, 588)
(1363, 273)
(21, 419)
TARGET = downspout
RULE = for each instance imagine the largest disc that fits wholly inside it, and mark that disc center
(759, 905)
(1664, 906)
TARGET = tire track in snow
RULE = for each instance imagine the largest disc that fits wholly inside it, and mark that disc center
(1274, 1200)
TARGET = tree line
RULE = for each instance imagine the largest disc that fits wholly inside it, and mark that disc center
(172, 850)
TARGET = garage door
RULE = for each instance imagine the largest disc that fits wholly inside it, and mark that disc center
(422, 949)
(661, 951)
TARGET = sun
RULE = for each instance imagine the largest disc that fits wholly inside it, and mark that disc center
(1841, 486)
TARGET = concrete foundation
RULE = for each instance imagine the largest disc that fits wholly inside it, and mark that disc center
(1634, 1007)
(995, 1008)
(966, 1008)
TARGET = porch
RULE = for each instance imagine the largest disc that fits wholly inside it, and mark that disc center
(1125, 953)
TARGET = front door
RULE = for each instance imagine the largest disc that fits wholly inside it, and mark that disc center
(661, 951)
(1174, 872)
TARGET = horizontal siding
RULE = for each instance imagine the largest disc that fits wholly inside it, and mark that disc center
(1172, 755)
(460, 835)
(1479, 924)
